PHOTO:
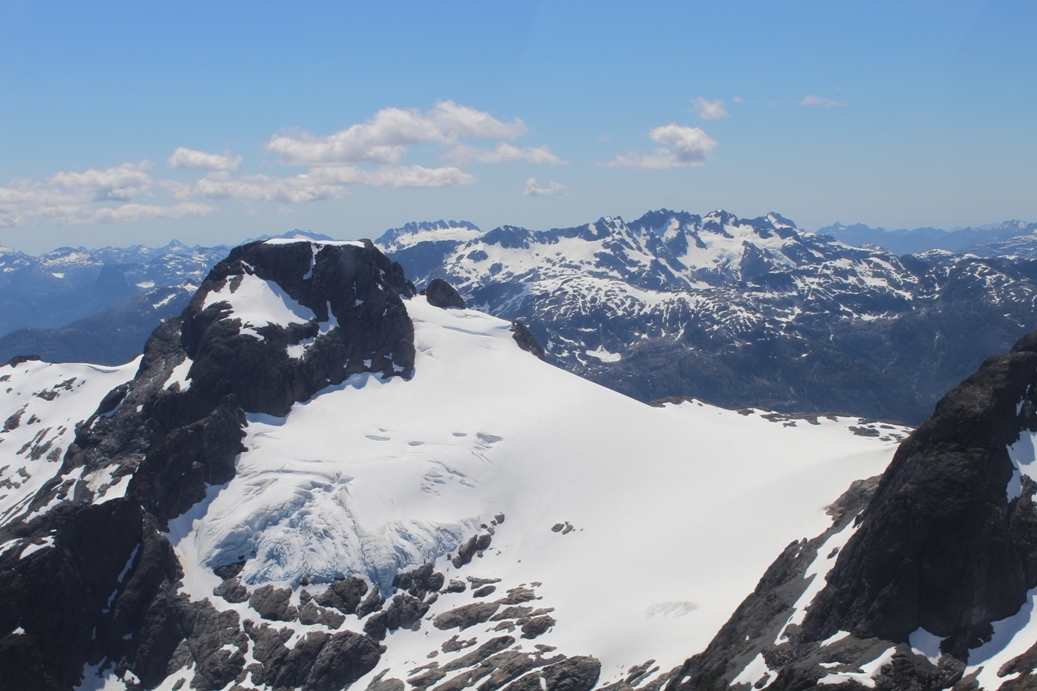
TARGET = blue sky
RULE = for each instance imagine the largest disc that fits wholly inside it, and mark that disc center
(350, 118)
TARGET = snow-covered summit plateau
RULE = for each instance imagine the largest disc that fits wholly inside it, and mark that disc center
(675, 510)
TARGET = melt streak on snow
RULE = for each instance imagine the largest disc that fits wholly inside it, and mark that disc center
(677, 510)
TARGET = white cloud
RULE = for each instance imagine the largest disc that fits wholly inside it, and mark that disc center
(738, 99)
(534, 190)
(141, 212)
(177, 189)
(368, 153)
(121, 183)
(266, 188)
(468, 123)
(811, 100)
(683, 146)
(505, 153)
(326, 182)
(386, 137)
(201, 160)
(710, 110)
(70, 197)
(417, 176)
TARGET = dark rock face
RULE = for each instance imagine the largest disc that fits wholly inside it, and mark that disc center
(526, 340)
(343, 659)
(572, 674)
(537, 626)
(353, 285)
(272, 603)
(940, 546)
(344, 594)
(405, 612)
(439, 293)
(420, 581)
(468, 615)
(109, 589)
(470, 548)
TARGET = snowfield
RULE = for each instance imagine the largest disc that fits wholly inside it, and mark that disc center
(675, 511)
(41, 404)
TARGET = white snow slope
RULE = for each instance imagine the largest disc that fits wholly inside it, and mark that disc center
(42, 403)
(677, 511)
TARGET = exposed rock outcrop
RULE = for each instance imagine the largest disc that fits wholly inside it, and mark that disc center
(944, 543)
(439, 293)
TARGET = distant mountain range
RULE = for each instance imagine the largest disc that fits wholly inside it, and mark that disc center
(733, 311)
(66, 284)
(98, 305)
(904, 241)
(737, 311)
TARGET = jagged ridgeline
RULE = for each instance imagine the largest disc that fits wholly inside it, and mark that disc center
(927, 578)
(739, 311)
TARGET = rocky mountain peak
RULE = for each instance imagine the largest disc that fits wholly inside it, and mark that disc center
(926, 578)
(428, 229)
(949, 541)
(273, 323)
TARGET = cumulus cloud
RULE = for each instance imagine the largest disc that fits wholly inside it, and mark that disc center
(266, 188)
(416, 176)
(91, 196)
(710, 110)
(327, 182)
(177, 189)
(386, 137)
(140, 212)
(682, 146)
(505, 153)
(121, 183)
(811, 100)
(367, 153)
(534, 190)
(202, 160)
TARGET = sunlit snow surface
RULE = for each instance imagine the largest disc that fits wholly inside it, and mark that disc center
(1012, 637)
(677, 510)
(258, 302)
(1022, 454)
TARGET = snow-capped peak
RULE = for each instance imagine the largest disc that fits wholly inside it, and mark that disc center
(414, 232)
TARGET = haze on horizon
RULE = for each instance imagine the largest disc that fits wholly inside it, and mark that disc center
(126, 123)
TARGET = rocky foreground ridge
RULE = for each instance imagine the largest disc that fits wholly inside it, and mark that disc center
(926, 578)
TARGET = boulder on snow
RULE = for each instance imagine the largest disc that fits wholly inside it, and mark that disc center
(529, 343)
(468, 615)
(439, 293)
